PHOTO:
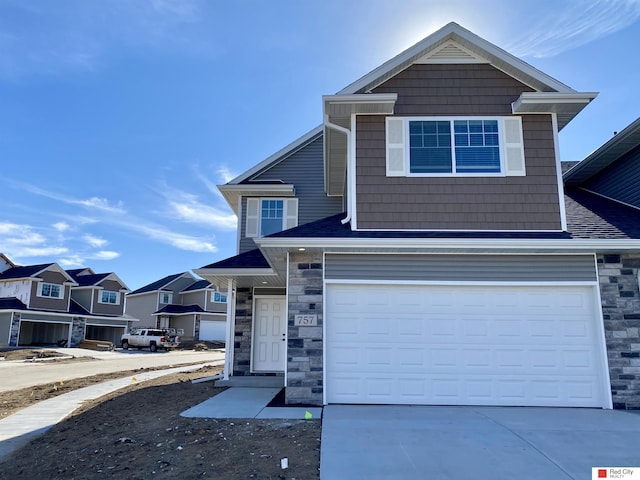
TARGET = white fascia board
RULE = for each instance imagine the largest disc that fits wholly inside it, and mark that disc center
(550, 102)
(355, 103)
(233, 193)
(492, 244)
(283, 152)
(454, 31)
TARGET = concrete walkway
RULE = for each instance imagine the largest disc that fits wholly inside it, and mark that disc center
(20, 428)
(248, 402)
(409, 442)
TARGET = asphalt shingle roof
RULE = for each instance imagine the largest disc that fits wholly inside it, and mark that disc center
(250, 259)
(199, 285)
(158, 284)
(181, 309)
(11, 303)
(24, 271)
(85, 280)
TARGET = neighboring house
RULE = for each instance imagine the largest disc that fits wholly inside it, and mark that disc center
(46, 305)
(103, 295)
(417, 248)
(192, 306)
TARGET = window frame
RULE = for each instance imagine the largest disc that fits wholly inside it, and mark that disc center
(41, 287)
(510, 146)
(452, 134)
(253, 214)
(169, 296)
(221, 295)
(116, 296)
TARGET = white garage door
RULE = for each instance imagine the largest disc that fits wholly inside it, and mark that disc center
(212, 330)
(464, 345)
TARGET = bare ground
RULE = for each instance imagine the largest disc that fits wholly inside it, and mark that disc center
(137, 433)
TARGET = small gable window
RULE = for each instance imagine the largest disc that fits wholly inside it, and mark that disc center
(108, 296)
(166, 297)
(218, 297)
(51, 290)
(468, 146)
(270, 215)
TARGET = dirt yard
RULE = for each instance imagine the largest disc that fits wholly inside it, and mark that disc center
(137, 433)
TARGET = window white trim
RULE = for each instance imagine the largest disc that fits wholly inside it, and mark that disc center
(254, 215)
(45, 290)
(510, 142)
(222, 298)
(116, 296)
(167, 295)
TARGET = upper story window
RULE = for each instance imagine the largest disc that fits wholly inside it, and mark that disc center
(218, 297)
(270, 215)
(108, 296)
(51, 290)
(461, 146)
(166, 297)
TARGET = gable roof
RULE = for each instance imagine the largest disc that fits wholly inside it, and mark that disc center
(453, 35)
(26, 271)
(30, 271)
(159, 284)
(199, 285)
(618, 146)
(451, 43)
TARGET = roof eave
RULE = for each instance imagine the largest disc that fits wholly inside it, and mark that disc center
(565, 105)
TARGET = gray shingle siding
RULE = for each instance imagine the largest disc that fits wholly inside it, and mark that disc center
(456, 203)
(305, 170)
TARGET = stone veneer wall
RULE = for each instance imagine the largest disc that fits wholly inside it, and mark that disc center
(242, 332)
(15, 330)
(78, 329)
(621, 312)
(304, 357)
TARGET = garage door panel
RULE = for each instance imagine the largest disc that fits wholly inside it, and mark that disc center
(486, 350)
(512, 391)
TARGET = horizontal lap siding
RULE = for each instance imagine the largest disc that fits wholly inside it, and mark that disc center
(305, 170)
(620, 180)
(488, 268)
(475, 203)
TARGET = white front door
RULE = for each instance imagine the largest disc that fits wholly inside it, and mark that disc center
(269, 335)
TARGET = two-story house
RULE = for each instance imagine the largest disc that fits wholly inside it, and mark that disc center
(103, 296)
(417, 247)
(46, 305)
(194, 307)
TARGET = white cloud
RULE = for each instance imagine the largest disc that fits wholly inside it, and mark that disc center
(99, 204)
(177, 240)
(92, 203)
(186, 207)
(571, 24)
(94, 241)
(20, 241)
(104, 255)
(61, 226)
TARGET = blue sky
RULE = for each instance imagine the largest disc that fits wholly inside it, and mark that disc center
(118, 118)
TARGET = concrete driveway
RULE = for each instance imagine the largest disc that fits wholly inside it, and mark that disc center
(409, 442)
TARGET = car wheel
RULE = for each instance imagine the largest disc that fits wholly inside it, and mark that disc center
(153, 347)
(125, 345)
